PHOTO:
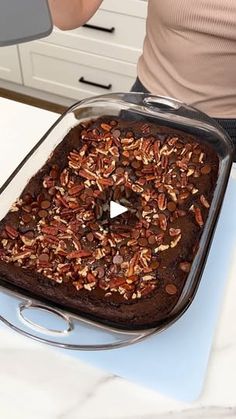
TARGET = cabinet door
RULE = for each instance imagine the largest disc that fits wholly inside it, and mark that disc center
(10, 64)
(72, 73)
(107, 34)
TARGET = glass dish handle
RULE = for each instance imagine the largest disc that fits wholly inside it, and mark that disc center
(161, 103)
(55, 327)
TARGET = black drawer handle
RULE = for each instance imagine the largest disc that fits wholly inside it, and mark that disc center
(92, 83)
(99, 28)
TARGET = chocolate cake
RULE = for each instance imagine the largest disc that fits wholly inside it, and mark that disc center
(59, 241)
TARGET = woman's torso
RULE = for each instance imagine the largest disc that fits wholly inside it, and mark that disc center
(190, 53)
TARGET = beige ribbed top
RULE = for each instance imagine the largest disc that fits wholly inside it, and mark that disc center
(190, 53)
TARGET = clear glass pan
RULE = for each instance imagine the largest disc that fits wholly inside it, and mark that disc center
(46, 322)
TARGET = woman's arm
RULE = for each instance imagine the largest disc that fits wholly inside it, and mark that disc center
(70, 14)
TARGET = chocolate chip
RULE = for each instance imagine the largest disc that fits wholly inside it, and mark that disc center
(195, 160)
(131, 156)
(185, 266)
(205, 170)
(45, 204)
(40, 198)
(161, 188)
(26, 218)
(43, 257)
(136, 164)
(197, 174)
(123, 250)
(117, 194)
(142, 241)
(27, 198)
(120, 171)
(100, 271)
(171, 289)
(24, 228)
(116, 133)
(102, 196)
(4, 234)
(52, 191)
(90, 237)
(183, 195)
(89, 192)
(29, 235)
(155, 264)
(117, 259)
(27, 208)
(129, 134)
(171, 206)
(43, 213)
(54, 174)
(135, 234)
(94, 226)
(128, 193)
(107, 250)
(197, 150)
(152, 239)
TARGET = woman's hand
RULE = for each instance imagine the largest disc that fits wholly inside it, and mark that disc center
(70, 14)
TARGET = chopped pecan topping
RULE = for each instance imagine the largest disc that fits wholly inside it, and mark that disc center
(198, 216)
(64, 233)
(204, 201)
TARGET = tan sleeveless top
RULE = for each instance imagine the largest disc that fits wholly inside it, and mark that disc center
(190, 53)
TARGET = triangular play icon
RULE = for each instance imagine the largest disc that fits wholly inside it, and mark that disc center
(116, 209)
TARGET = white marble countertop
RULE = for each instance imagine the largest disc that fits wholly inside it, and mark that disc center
(38, 382)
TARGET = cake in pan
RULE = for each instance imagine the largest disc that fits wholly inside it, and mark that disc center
(60, 241)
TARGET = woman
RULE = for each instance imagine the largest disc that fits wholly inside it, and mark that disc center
(189, 51)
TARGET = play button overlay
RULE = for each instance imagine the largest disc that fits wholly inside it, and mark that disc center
(116, 209)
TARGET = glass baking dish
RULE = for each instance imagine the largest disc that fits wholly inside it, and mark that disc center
(45, 321)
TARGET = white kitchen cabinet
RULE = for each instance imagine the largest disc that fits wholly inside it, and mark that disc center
(71, 73)
(10, 64)
(114, 35)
